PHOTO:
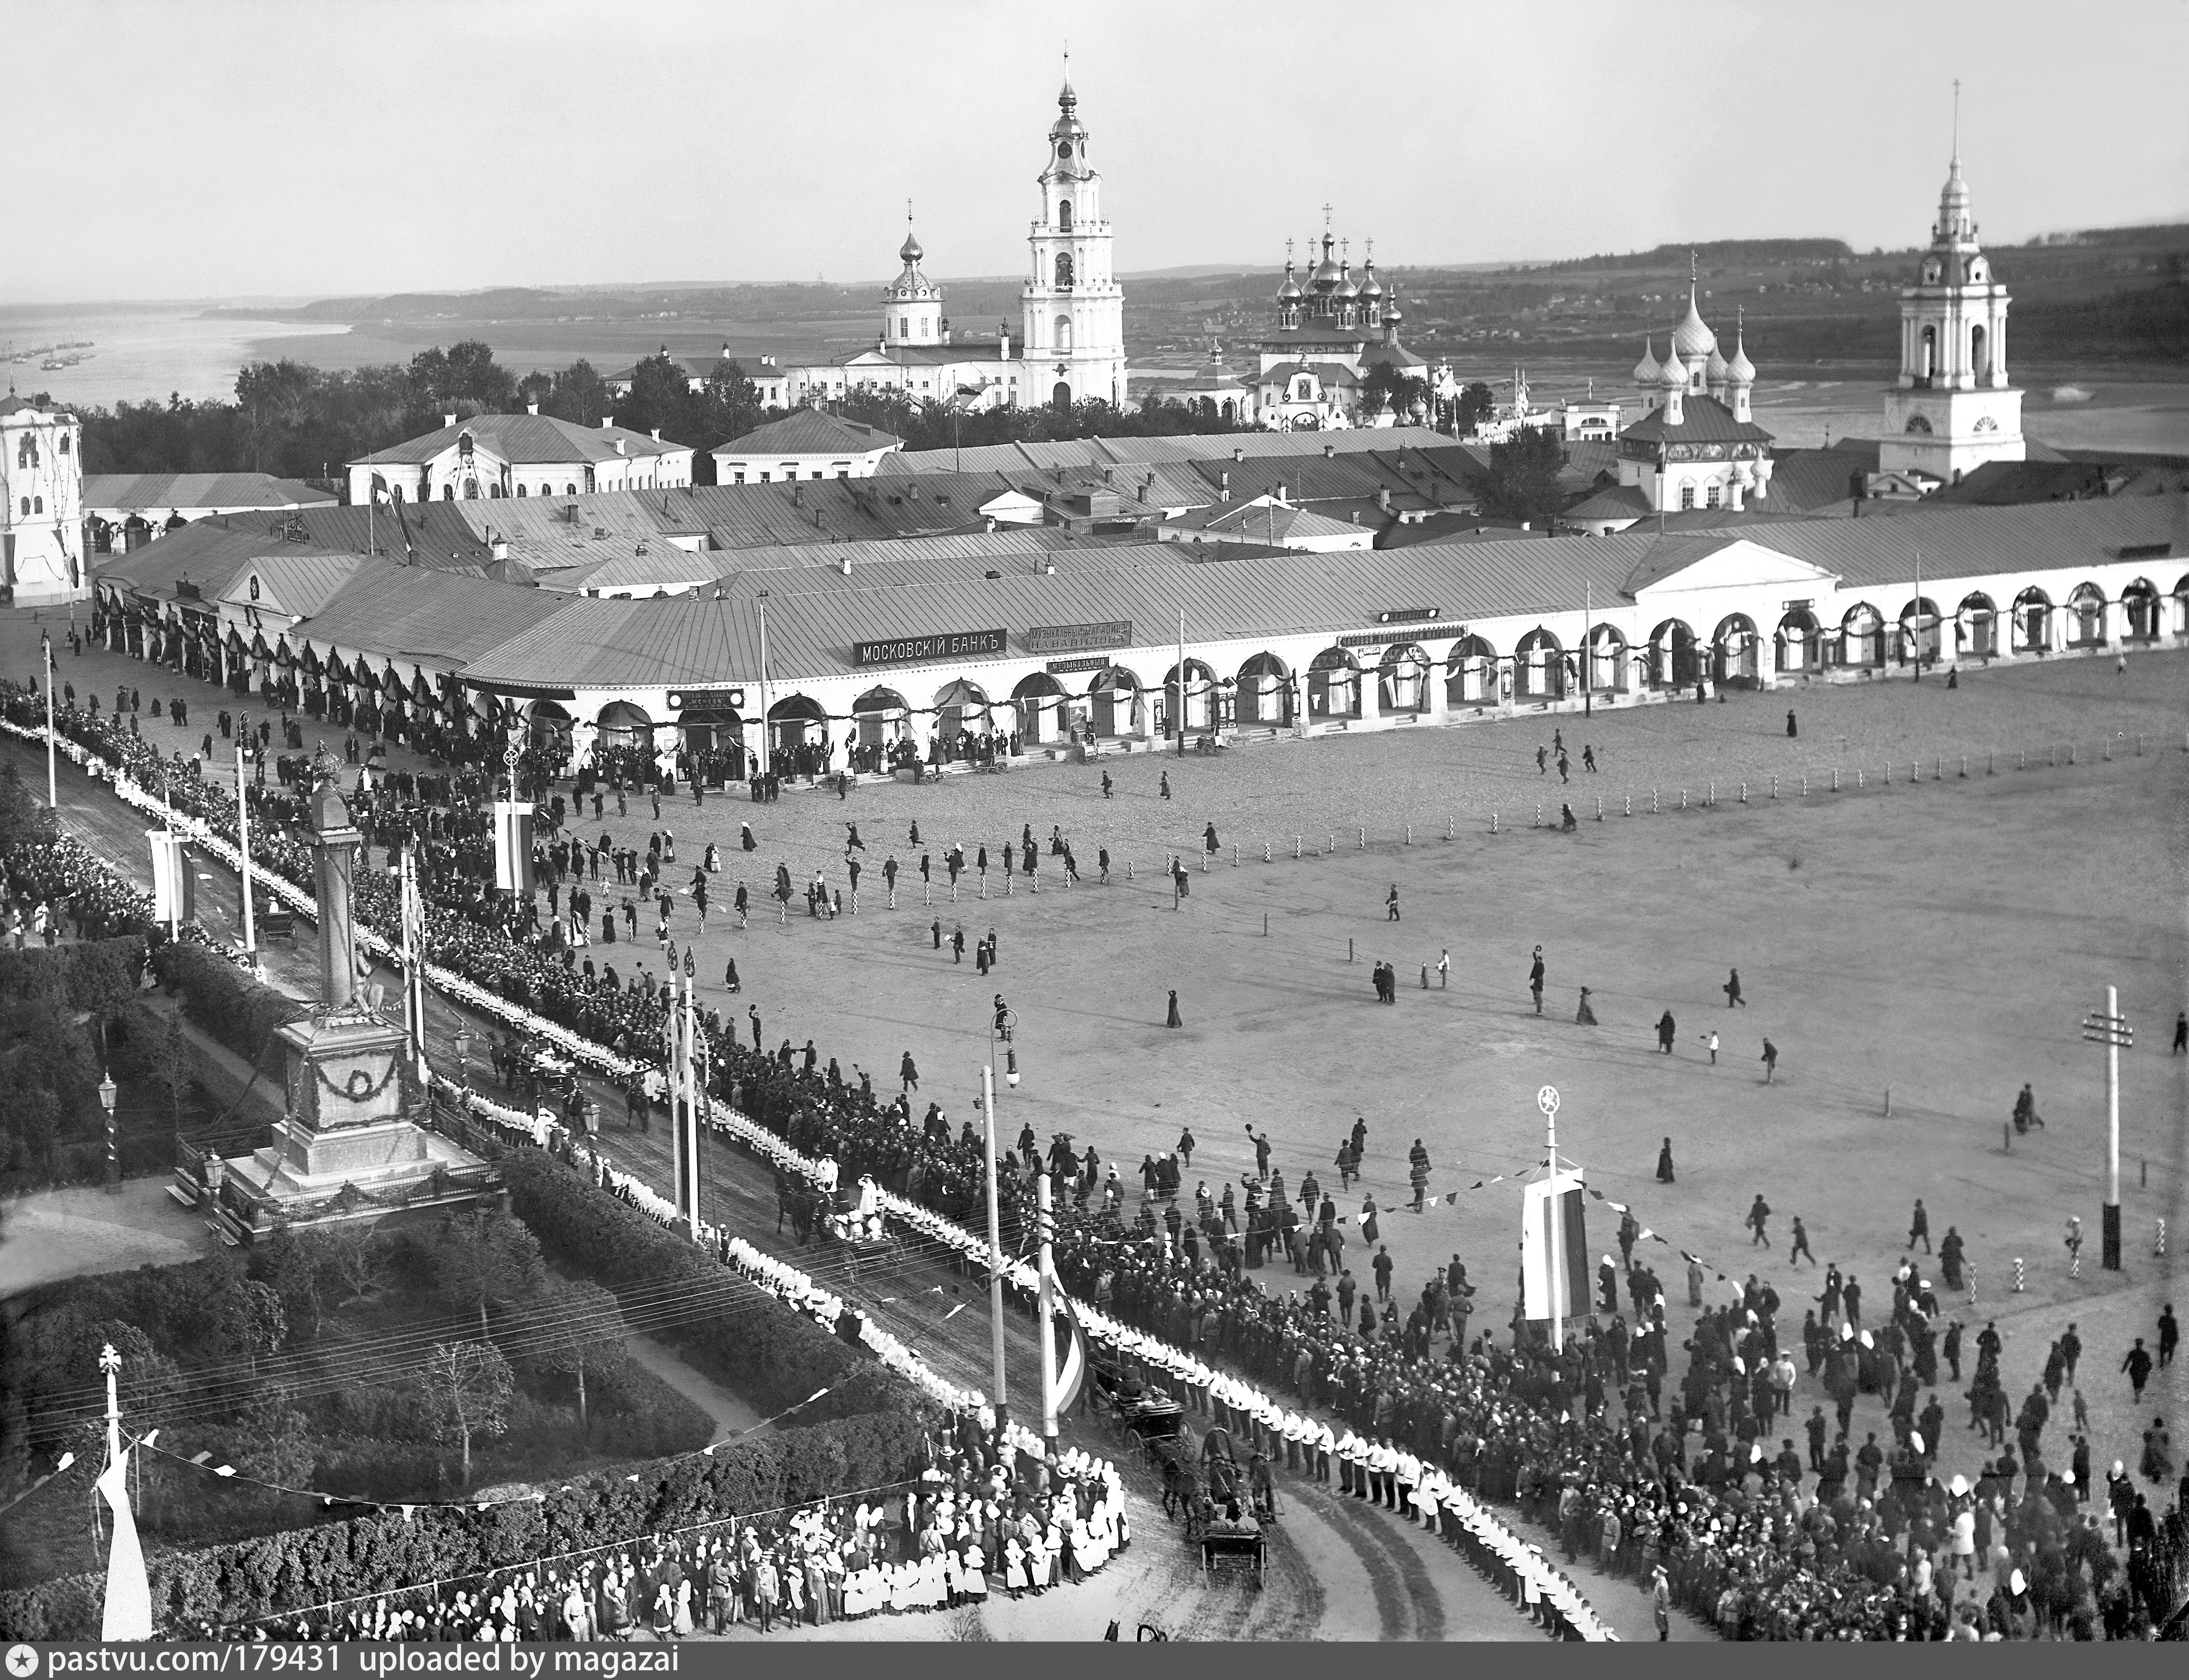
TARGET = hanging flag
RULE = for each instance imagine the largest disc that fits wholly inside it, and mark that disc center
(379, 487)
(1072, 1371)
(512, 847)
(128, 1611)
(1565, 1296)
(174, 883)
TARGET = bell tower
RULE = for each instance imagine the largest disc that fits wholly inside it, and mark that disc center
(1952, 408)
(1074, 324)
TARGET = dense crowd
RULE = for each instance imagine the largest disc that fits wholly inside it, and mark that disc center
(1847, 1542)
(979, 1516)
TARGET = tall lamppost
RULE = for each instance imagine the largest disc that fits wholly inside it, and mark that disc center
(1000, 1026)
(108, 1090)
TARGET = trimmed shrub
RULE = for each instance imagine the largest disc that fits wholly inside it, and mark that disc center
(384, 1551)
(223, 1000)
(769, 1354)
(99, 975)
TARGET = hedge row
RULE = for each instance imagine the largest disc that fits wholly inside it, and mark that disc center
(99, 975)
(224, 1000)
(769, 1353)
(286, 1573)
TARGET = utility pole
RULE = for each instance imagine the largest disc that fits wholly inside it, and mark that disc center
(1919, 615)
(767, 752)
(52, 794)
(2110, 1030)
(995, 1244)
(1045, 1310)
(1587, 610)
(1181, 682)
(1555, 1214)
(243, 847)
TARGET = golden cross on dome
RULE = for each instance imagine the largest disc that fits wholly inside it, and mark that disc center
(1325, 215)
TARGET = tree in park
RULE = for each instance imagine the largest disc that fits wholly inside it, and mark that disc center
(580, 1329)
(1522, 482)
(354, 1257)
(467, 1387)
(1477, 403)
(482, 1259)
(251, 1319)
(23, 818)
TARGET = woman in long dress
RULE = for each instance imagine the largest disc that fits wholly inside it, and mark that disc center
(664, 1612)
(973, 1572)
(683, 1620)
(1015, 1578)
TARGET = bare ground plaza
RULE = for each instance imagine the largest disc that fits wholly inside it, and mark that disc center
(1917, 945)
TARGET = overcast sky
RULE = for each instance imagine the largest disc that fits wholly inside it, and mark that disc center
(317, 147)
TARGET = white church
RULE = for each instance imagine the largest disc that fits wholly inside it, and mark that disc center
(1070, 346)
(42, 521)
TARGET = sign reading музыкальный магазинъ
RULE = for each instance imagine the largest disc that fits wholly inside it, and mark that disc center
(909, 649)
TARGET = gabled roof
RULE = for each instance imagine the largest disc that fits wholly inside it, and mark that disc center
(1703, 419)
(524, 439)
(298, 585)
(155, 492)
(1719, 562)
(435, 619)
(213, 552)
(1330, 373)
(1614, 501)
(810, 431)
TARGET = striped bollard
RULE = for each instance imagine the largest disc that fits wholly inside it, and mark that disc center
(2024, 763)
(1743, 793)
(1129, 872)
(1835, 778)
(1860, 779)
(2159, 1248)
(1805, 784)
(1008, 891)
(1972, 1286)
(1710, 793)
(1235, 854)
(1410, 834)
(2109, 750)
(1683, 798)
(2075, 1261)
(1360, 840)
(1493, 822)
(1652, 801)
(1964, 767)
(2019, 1282)
(1630, 805)
(1265, 851)
(1538, 822)
(1297, 840)
(1599, 807)
(1329, 843)
(1774, 787)
(1451, 824)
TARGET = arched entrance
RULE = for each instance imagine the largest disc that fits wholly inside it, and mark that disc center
(1039, 698)
(1060, 396)
(1264, 693)
(1607, 661)
(1334, 685)
(1918, 631)
(880, 717)
(1734, 655)
(1200, 697)
(1111, 701)
(1862, 635)
(1402, 679)
(2181, 607)
(1674, 662)
(796, 720)
(2032, 621)
(1976, 626)
(960, 707)
(547, 727)
(2086, 616)
(1471, 673)
(2140, 608)
(625, 728)
(1539, 667)
(1798, 643)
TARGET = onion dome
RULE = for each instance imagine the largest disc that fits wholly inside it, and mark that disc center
(1692, 340)
(1326, 271)
(1289, 292)
(1371, 287)
(1345, 287)
(1714, 368)
(1672, 372)
(1739, 371)
(1392, 314)
(1648, 370)
(909, 252)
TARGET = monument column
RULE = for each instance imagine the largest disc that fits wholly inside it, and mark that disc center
(335, 842)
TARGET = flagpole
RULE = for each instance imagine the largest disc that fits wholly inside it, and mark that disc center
(1045, 1220)
(243, 848)
(52, 794)
(1547, 1100)
(995, 1241)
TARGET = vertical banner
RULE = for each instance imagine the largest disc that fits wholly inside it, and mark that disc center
(512, 847)
(174, 884)
(1571, 1300)
(126, 1612)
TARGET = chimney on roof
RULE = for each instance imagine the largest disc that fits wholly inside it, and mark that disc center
(1224, 486)
(1002, 341)
(1383, 499)
(844, 565)
(797, 493)
(1329, 451)
(447, 420)
(1106, 474)
(500, 548)
(1238, 454)
(1280, 491)
(608, 423)
(657, 434)
(532, 408)
(619, 442)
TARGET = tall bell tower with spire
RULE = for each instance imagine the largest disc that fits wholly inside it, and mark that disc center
(1074, 318)
(1952, 408)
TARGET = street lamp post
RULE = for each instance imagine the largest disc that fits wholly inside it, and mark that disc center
(999, 1026)
(243, 849)
(108, 1090)
(2112, 1031)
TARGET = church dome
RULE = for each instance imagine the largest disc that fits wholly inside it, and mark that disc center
(1345, 287)
(1692, 339)
(1672, 371)
(1289, 292)
(1326, 274)
(1392, 314)
(909, 252)
(1648, 370)
(1370, 285)
(1739, 371)
(1714, 368)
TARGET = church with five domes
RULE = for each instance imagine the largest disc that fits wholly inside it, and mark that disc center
(1697, 443)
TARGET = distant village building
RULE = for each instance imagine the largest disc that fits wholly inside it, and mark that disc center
(41, 522)
(1952, 409)
(809, 443)
(492, 456)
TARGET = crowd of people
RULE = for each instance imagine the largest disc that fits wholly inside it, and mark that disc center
(1845, 1544)
(981, 1516)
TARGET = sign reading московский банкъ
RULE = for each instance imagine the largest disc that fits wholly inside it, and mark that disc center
(909, 649)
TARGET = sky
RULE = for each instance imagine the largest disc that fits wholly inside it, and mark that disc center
(314, 148)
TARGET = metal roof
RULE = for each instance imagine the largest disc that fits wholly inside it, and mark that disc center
(432, 618)
(212, 552)
(151, 492)
(299, 585)
(523, 438)
(810, 431)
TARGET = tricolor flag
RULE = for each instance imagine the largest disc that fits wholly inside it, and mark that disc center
(1565, 1294)
(1071, 1372)
(512, 847)
(127, 1612)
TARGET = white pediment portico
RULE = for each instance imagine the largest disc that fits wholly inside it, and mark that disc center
(1738, 563)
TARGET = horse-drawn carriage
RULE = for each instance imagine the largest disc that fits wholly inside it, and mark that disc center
(848, 1222)
(1137, 1413)
(1226, 1516)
